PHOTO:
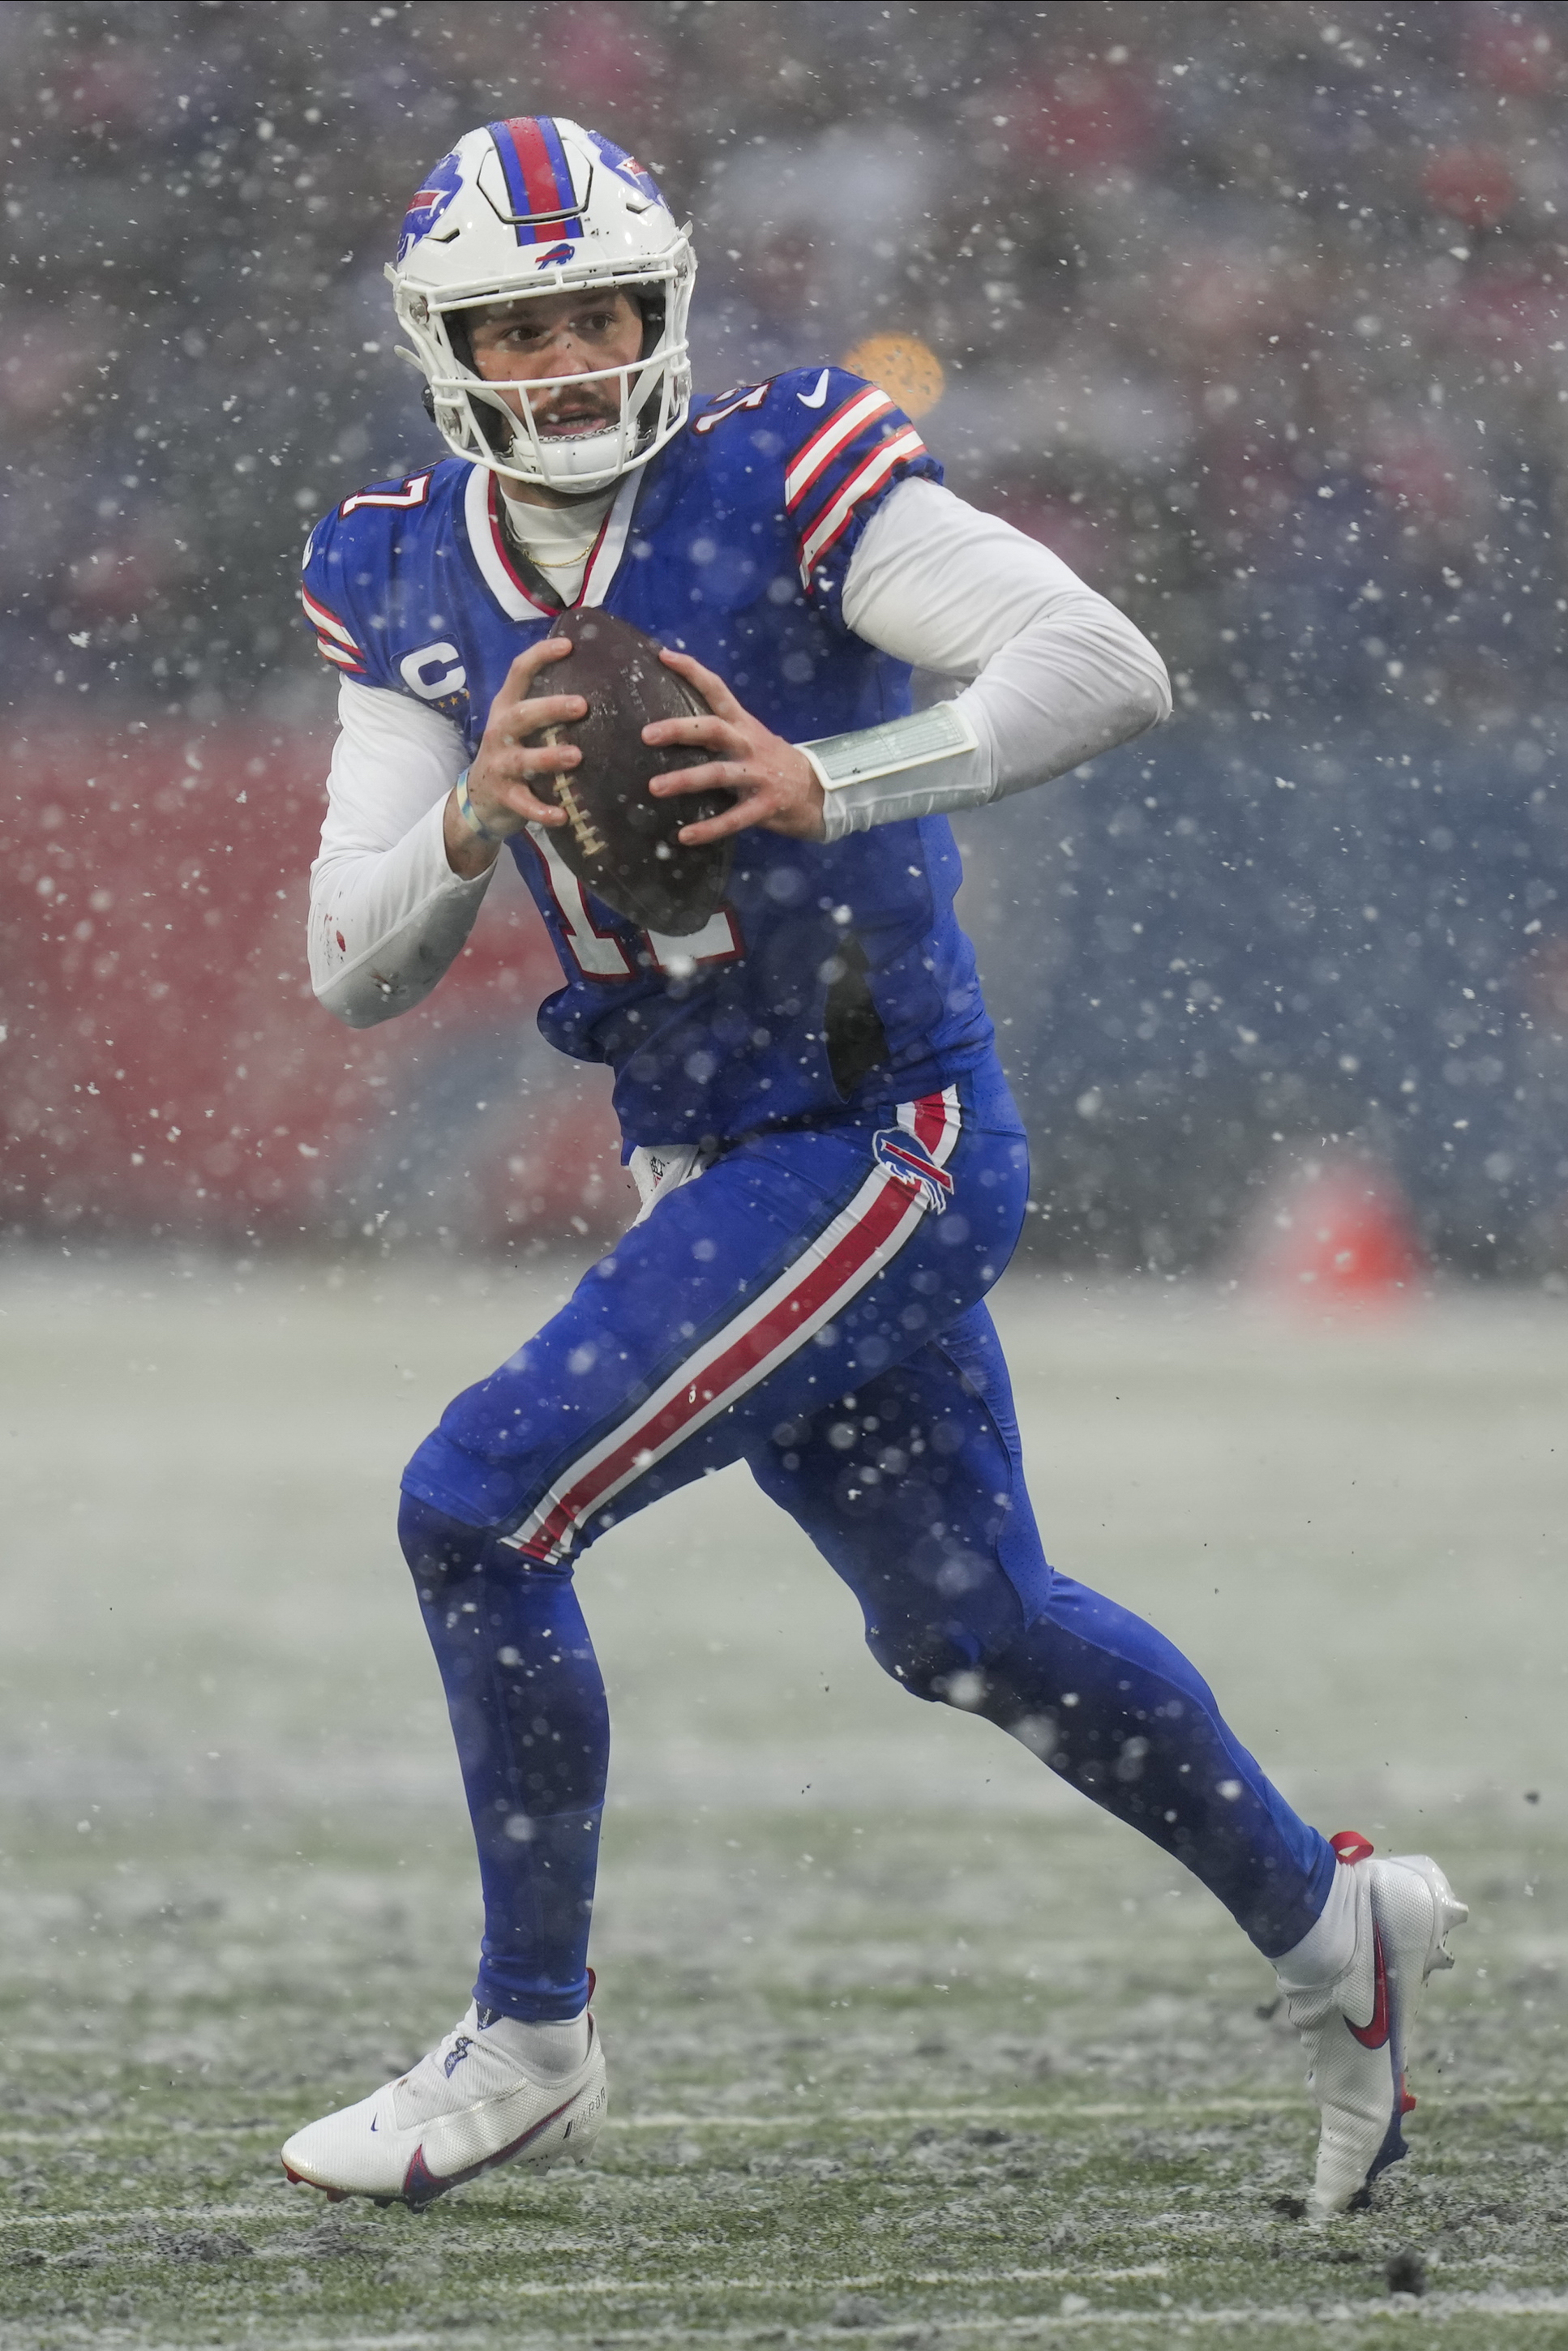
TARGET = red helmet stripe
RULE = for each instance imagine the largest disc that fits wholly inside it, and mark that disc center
(539, 176)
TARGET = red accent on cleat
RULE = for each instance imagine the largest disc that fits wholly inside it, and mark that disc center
(1351, 1846)
(293, 2178)
(336, 2194)
(1406, 2102)
(422, 2187)
(1374, 2033)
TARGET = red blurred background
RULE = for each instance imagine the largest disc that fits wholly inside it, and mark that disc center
(164, 1064)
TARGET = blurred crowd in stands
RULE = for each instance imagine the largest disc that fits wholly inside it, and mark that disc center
(1256, 311)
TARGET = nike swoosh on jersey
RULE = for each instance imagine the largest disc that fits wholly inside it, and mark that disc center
(815, 399)
(1372, 2034)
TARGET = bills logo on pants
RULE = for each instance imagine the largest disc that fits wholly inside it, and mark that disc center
(909, 1163)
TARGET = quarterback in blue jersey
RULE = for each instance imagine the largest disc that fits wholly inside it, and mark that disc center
(831, 1172)
(702, 551)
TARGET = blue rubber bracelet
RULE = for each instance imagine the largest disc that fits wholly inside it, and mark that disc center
(465, 810)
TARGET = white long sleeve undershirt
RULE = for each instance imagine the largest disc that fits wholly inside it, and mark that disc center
(1060, 673)
(1057, 674)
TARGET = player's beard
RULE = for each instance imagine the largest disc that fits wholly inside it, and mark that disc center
(586, 412)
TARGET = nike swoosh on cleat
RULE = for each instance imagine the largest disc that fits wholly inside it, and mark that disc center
(423, 2186)
(1374, 2034)
(815, 399)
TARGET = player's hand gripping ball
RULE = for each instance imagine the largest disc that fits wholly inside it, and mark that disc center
(621, 842)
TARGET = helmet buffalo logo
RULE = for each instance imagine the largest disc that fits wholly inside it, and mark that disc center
(556, 253)
(628, 168)
(428, 203)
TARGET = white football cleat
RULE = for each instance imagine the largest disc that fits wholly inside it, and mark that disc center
(473, 2103)
(1355, 2030)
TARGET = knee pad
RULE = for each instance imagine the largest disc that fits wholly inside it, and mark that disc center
(923, 1668)
(441, 1551)
(437, 1549)
(938, 1632)
(927, 1660)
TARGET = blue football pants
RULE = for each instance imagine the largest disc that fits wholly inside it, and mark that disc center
(812, 1305)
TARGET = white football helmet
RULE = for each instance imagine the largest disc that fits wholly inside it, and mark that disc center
(537, 205)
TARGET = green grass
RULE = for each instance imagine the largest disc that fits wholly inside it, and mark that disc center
(906, 2046)
(909, 2093)
(804, 2124)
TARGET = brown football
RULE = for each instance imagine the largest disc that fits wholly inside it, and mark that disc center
(618, 840)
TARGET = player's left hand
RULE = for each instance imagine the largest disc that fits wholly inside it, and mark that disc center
(775, 784)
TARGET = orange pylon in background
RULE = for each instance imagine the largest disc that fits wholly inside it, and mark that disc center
(1339, 1232)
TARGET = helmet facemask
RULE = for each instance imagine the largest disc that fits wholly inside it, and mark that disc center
(493, 421)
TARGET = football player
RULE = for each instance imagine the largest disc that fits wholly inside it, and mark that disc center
(831, 1172)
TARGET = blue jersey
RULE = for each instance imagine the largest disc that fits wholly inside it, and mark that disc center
(831, 976)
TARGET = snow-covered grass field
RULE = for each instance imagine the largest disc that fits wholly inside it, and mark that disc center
(909, 2045)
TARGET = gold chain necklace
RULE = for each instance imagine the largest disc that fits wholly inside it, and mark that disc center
(560, 562)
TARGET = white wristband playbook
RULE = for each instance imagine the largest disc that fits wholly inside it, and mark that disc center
(889, 749)
(904, 768)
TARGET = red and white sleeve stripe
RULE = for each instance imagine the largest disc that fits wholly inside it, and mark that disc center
(333, 639)
(834, 520)
(824, 444)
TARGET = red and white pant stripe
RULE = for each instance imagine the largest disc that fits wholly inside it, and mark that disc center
(764, 1331)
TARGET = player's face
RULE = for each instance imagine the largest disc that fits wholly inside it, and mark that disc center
(561, 335)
